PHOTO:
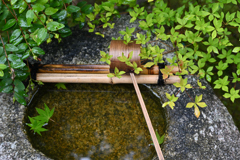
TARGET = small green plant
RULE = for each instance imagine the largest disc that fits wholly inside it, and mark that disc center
(196, 104)
(60, 86)
(127, 62)
(37, 123)
(116, 73)
(105, 57)
(160, 139)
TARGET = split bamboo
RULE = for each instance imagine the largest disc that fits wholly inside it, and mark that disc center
(101, 78)
(93, 69)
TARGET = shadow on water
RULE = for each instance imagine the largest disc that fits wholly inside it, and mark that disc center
(96, 121)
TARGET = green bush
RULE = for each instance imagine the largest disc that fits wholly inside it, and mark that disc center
(203, 34)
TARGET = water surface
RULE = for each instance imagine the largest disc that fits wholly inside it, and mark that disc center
(96, 121)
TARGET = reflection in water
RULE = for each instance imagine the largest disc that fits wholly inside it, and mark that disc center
(95, 121)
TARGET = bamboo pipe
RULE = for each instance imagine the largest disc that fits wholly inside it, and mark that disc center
(93, 69)
(147, 118)
(101, 78)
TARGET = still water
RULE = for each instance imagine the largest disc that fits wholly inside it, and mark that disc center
(96, 121)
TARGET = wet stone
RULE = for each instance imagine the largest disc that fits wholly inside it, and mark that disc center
(96, 121)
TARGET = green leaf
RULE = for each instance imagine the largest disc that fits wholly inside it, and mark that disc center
(233, 94)
(72, 9)
(1, 73)
(149, 64)
(11, 48)
(41, 35)
(50, 11)
(81, 25)
(214, 34)
(110, 75)
(36, 125)
(29, 16)
(13, 2)
(3, 66)
(62, 15)
(1, 51)
(67, 1)
(23, 6)
(81, 4)
(160, 139)
(44, 115)
(38, 7)
(16, 33)
(54, 26)
(22, 22)
(4, 14)
(37, 51)
(5, 82)
(60, 86)
(190, 105)
(202, 104)
(6, 89)
(236, 49)
(9, 24)
(87, 9)
(19, 86)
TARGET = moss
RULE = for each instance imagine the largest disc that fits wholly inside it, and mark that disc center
(96, 121)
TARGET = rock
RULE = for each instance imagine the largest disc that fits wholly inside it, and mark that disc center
(212, 136)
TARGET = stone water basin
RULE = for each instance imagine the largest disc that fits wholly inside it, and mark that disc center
(96, 121)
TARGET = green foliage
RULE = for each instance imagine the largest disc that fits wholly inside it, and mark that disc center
(37, 123)
(127, 62)
(171, 101)
(105, 57)
(60, 86)
(116, 73)
(159, 138)
(127, 35)
(196, 104)
(232, 95)
(182, 84)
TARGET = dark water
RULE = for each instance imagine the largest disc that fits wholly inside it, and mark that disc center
(96, 121)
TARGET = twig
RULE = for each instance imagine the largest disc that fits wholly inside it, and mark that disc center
(189, 96)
